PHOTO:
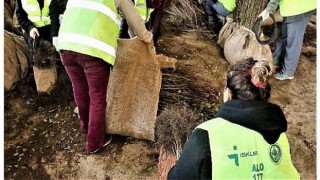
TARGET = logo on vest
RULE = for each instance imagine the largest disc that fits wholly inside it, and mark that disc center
(275, 153)
(234, 156)
(242, 155)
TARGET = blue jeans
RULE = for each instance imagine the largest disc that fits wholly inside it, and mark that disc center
(290, 43)
(216, 8)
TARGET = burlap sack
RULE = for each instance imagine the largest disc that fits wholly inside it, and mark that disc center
(8, 15)
(45, 79)
(242, 43)
(44, 69)
(133, 90)
(225, 32)
(166, 62)
(16, 58)
(15, 22)
(10, 20)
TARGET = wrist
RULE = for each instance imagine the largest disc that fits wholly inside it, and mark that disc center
(30, 27)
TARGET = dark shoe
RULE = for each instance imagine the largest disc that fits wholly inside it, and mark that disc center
(100, 148)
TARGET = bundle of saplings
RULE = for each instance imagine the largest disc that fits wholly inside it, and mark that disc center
(173, 127)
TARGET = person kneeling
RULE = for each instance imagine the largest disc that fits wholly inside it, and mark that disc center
(246, 139)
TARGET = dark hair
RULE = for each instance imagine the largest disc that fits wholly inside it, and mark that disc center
(248, 80)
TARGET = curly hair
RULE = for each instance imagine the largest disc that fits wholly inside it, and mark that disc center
(248, 80)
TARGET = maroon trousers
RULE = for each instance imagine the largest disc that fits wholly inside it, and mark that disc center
(89, 76)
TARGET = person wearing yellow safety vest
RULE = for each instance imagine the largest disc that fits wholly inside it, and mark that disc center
(217, 10)
(87, 41)
(144, 11)
(296, 16)
(246, 139)
(33, 17)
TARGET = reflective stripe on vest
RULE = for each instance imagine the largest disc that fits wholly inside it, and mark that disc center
(295, 7)
(228, 4)
(37, 17)
(90, 27)
(241, 153)
(145, 13)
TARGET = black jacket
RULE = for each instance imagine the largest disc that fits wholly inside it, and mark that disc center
(263, 117)
(56, 8)
(22, 16)
(27, 25)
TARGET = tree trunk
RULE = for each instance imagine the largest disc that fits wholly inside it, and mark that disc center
(247, 11)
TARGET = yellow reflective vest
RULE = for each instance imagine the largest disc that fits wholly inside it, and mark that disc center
(90, 27)
(241, 153)
(228, 4)
(295, 7)
(37, 17)
(144, 11)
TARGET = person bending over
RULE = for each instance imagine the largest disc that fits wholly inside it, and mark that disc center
(87, 42)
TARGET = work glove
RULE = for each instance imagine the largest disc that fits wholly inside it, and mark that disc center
(264, 14)
(34, 32)
(55, 41)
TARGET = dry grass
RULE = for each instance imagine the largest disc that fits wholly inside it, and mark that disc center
(185, 12)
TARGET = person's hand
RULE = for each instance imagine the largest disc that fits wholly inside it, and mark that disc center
(264, 14)
(34, 32)
(55, 41)
(148, 37)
